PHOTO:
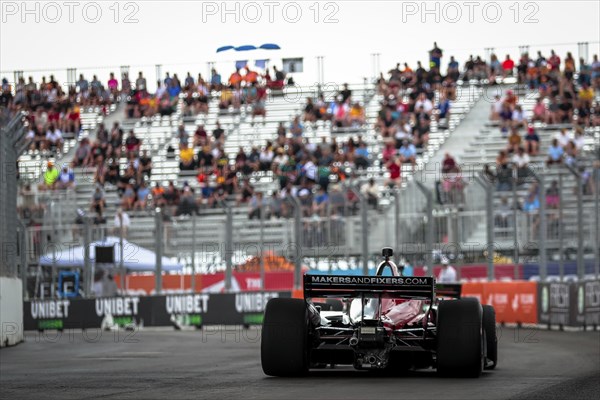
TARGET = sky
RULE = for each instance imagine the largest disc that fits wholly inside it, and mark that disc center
(99, 36)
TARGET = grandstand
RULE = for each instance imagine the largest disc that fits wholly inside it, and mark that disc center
(400, 213)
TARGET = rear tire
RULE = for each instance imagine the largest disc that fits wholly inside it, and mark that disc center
(460, 338)
(284, 343)
(489, 326)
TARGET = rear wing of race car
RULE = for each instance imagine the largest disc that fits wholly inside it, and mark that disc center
(355, 286)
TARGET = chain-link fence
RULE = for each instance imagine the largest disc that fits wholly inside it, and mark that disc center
(543, 225)
(11, 146)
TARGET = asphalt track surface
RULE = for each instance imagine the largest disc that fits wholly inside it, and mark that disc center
(166, 364)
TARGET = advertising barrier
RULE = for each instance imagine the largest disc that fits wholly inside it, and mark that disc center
(569, 303)
(171, 310)
(514, 302)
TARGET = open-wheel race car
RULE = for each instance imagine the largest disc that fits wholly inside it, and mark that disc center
(380, 322)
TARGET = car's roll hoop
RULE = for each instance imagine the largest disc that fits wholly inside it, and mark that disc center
(387, 253)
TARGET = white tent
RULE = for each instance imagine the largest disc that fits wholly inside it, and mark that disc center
(135, 258)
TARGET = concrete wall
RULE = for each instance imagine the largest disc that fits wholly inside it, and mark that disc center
(11, 311)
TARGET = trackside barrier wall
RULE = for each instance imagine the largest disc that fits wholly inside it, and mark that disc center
(169, 310)
(574, 304)
(11, 313)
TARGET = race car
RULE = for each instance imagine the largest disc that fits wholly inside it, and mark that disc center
(385, 322)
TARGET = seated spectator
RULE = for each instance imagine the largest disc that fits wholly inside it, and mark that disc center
(145, 166)
(310, 111)
(514, 141)
(128, 197)
(356, 115)
(449, 165)
(443, 109)
(539, 111)
(361, 156)
(266, 157)
(555, 153)
(83, 154)
(98, 203)
(187, 203)
(158, 193)
(247, 192)
(579, 139)
(296, 127)
(50, 177)
(507, 67)
(186, 159)
(563, 138)
(257, 206)
(371, 191)
(183, 137)
(571, 154)
(503, 172)
(553, 195)
(121, 223)
(519, 117)
(496, 108)
(506, 115)
(142, 197)
(407, 153)
(132, 143)
(532, 142)
(321, 202)
(386, 124)
(340, 112)
(521, 161)
(66, 179)
(54, 139)
(394, 166)
(218, 133)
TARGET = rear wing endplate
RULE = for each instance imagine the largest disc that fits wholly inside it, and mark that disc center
(354, 286)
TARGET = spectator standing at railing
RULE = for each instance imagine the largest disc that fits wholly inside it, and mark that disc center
(140, 83)
(447, 273)
(507, 66)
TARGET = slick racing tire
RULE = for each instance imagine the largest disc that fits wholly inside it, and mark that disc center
(489, 327)
(460, 338)
(284, 343)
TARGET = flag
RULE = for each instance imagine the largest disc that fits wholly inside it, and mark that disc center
(292, 64)
(260, 64)
(240, 64)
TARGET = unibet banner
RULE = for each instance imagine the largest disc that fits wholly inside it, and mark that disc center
(194, 309)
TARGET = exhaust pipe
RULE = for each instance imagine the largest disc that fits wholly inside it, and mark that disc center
(353, 341)
(372, 359)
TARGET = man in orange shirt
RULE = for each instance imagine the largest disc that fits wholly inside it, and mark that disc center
(235, 78)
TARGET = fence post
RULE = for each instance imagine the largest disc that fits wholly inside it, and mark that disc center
(489, 210)
(299, 243)
(543, 228)
(261, 246)
(561, 250)
(515, 229)
(193, 275)
(228, 245)
(87, 264)
(23, 253)
(397, 224)
(159, 249)
(580, 264)
(597, 219)
(429, 235)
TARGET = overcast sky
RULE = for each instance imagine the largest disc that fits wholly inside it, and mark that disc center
(183, 35)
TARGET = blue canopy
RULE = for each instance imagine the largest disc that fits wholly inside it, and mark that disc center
(270, 46)
(245, 47)
(224, 48)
